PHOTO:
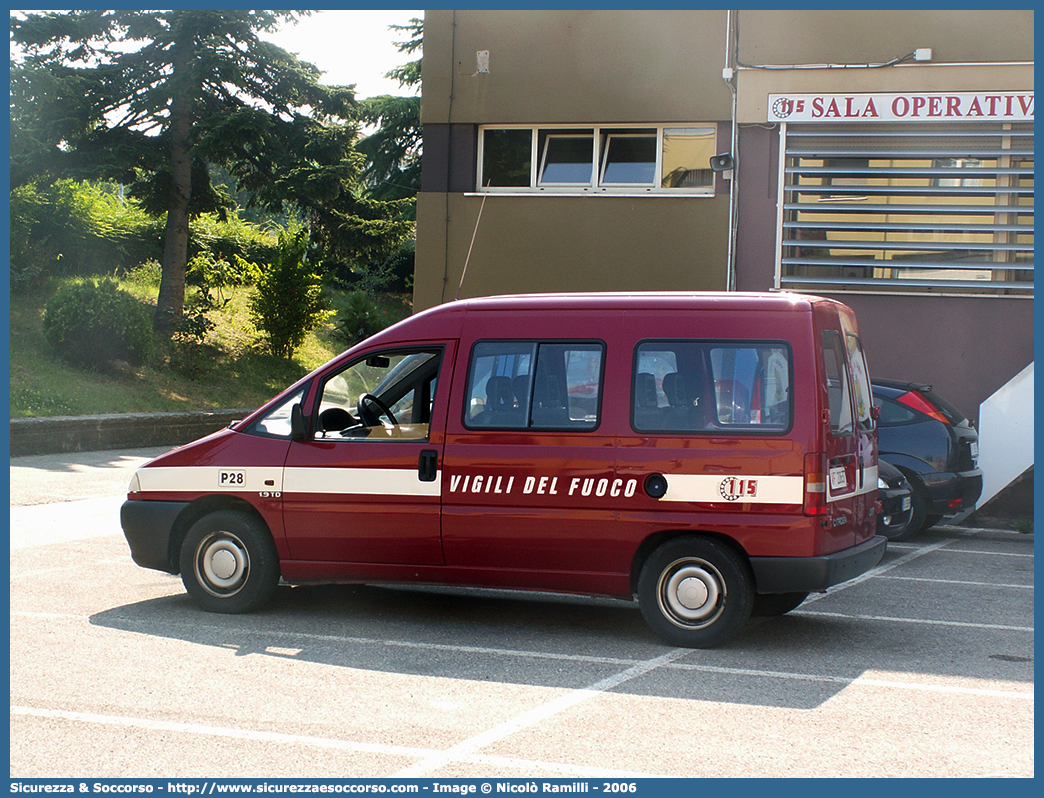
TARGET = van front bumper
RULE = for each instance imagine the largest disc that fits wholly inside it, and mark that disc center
(148, 525)
(812, 574)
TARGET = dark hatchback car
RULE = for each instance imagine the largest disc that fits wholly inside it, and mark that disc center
(896, 497)
(935, 447)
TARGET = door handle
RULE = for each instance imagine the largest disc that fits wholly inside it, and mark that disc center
(428, 465)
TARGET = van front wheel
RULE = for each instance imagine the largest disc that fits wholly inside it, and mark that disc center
(229, 562)
(695, 592)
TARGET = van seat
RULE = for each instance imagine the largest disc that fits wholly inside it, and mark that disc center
(647, 412)
(549, 402)
(500, 405)
(683, 395)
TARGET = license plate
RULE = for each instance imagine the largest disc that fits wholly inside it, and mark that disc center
(838, 478)
(906, 503)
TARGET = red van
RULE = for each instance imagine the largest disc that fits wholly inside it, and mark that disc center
(714, 455)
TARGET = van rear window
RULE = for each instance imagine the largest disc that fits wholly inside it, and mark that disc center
(711, 386)
(838, 397)
(534, 385)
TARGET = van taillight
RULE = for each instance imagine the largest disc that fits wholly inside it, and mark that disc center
(815, 484)
(918, 402)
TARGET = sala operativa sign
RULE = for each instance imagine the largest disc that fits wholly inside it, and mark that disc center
(934, 107)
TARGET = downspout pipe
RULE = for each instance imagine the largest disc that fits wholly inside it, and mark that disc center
(728, 74)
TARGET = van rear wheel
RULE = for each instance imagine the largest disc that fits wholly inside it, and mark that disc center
(695, 592)
(229, 562)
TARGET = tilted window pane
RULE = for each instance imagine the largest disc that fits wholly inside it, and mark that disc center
(629, 160)
(567, 160)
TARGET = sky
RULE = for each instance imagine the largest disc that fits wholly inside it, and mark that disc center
(351, 47)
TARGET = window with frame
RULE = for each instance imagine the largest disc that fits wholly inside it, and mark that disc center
(385, 396)
(618, 159)
(908, 208)
(711, 386)
(534, 385)
(276, 423)
(839, 400)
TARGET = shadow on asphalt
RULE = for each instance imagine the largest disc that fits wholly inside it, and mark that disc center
(796, 661)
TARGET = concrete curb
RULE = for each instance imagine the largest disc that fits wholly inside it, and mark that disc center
(60, 434)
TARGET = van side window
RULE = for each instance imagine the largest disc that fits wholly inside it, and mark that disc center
(711, 386)
(386, 396)
(276, 422)
(838, 395)
(861, 383)
(534, 385)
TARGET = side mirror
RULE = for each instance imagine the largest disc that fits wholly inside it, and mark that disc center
(298, 430)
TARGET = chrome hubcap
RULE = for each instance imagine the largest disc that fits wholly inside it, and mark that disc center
(222, 564)
(691, 593)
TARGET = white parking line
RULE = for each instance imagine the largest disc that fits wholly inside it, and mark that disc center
(850, 681)
(964, 582)
(875, 572)
(585, 659)
(925, 621)
(983, 552)
(535, 716)
(318, 742)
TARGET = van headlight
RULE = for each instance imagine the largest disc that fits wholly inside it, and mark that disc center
(881, 484)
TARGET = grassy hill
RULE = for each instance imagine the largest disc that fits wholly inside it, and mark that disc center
(228, 371)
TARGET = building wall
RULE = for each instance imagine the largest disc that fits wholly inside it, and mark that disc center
(662, 67)
(825, 36)
(559, 67)
(574, 66)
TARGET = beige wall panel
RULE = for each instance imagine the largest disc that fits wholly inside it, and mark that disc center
(576, 66)
(755, 85)
(570, 244)
(430, 259)
(855, 37)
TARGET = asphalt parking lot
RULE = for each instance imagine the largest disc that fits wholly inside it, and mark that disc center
(921, 668)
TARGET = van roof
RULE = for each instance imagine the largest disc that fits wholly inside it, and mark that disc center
(649, 300)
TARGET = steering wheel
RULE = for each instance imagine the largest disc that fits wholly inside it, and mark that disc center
(367, 415)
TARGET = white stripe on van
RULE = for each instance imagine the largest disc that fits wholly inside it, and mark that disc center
(734, 488)
(361, 481)
(260, 479)
(209, 479)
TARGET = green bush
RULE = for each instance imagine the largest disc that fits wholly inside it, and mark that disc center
(94, 323)
(70, 228)
(288, 303)
(230, 238)
(358, 317)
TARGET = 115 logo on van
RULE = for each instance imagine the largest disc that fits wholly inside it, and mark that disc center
(735, 488)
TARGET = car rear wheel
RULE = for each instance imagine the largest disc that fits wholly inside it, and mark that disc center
(695, 592)
(767, 605)
(229, 562)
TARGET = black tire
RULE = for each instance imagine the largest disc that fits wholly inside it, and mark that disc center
(695, 592)
(920, 511)
(229, 562)
(930, 521)
(768, 605)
